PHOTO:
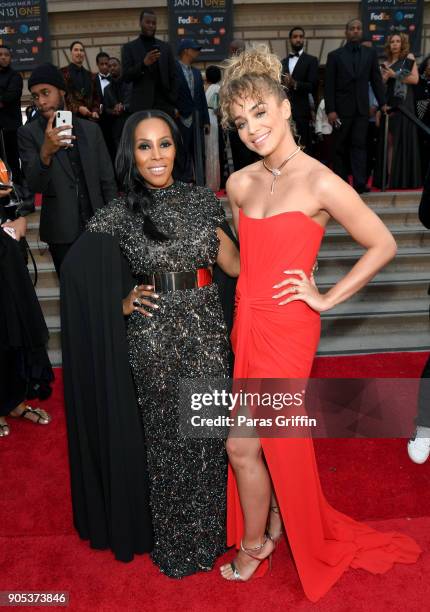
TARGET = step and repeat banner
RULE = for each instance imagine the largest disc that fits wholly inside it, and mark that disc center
(24, 28)
(384, 17)
(208, 22)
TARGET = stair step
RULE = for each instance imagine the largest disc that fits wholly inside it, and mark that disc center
(365, 308)
(375, 343)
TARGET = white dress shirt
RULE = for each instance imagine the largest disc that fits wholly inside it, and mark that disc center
(292, 61)
(104, 81)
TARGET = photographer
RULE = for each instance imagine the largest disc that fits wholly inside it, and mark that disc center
(148, 64)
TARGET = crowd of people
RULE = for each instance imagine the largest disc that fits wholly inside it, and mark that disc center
(339, 119)
(137, 250)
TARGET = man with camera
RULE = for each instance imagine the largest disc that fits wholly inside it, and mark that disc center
(73, 172)
(148, 63)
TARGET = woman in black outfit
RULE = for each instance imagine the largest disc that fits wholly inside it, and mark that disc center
(162, 237)
(400, 73)
(25, 370)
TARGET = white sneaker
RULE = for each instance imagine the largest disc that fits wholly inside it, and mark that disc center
(419, 447)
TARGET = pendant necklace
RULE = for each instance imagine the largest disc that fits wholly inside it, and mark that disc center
(277, 171)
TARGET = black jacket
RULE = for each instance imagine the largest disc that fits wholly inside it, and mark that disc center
(59, 220)
(135, 72)
(346, 93)
(185, 103)
(305, 74)
(10, 98)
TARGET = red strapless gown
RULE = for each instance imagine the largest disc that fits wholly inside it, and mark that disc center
(270, 341)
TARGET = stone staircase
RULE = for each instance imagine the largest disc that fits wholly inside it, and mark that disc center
(390, 314)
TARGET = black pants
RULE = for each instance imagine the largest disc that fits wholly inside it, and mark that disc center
(12, 154)
(58, 253)
(423, 416)
(350, 142)
(372, 148)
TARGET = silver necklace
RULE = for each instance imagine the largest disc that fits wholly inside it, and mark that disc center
(277, 171)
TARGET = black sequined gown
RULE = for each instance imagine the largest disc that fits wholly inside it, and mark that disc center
(185, 338)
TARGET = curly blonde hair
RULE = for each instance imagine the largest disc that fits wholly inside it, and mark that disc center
(248, 75)
(404, 45)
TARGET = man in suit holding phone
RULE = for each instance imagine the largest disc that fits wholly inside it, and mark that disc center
(74, 180)
(300, 76)
(349, 71)
(148, 63)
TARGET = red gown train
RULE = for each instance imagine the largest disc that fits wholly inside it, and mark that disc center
(270, 341)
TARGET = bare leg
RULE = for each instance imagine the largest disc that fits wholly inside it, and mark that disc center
(254, 488)
(275, 519)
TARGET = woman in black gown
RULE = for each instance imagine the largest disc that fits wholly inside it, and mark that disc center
(169, 235)
(25, 370)
(400, 73)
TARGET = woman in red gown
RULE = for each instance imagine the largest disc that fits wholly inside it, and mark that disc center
(280, 208)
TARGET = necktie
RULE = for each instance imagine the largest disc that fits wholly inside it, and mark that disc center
(355, 58)
(294, 55)
(190, 79)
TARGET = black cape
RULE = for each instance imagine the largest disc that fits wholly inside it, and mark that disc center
(109, 479)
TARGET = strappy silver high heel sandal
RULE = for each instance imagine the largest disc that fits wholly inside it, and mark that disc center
(261, 569)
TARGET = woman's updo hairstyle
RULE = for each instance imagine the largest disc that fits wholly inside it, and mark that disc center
(250, 74)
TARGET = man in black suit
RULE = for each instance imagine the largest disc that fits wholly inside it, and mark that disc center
(102, 81)
(193, 111)
(349, 71)
(148, 63)
(117, 102)
(74, 180)
(300, 72)
(10, 110)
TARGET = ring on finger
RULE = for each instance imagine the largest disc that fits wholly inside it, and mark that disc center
(137, 303)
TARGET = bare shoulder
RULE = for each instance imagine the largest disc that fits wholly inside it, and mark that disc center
(238, 182)
(323, 179)
(411, 56)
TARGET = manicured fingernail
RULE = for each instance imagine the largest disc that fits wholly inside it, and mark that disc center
(150, 314)
(156, 295)
(275, 286)
(156, 306)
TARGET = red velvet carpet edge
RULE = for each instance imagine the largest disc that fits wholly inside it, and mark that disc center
(371, 480)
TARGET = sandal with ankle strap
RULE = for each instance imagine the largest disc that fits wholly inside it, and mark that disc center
(4, 430)
(38, 412)
(261, 569)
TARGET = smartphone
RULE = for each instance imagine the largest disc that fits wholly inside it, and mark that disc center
(10, 232)
(155, 48)
(63, 117)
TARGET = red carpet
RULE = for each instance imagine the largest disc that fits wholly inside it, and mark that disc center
(371, 480)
